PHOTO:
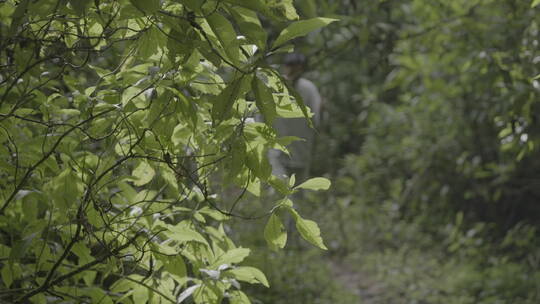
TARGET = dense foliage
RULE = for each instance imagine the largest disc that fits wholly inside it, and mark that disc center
(127, 141)
(130, 160)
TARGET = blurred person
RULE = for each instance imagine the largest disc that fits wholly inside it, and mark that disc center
(301, 151)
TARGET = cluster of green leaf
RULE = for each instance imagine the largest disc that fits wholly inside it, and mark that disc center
(123, 126)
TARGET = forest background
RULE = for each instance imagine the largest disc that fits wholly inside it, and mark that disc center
(431, 140)
(129, 167)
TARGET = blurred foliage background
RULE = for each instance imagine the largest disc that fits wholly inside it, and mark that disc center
(431, 135)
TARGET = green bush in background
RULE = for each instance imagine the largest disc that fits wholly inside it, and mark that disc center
(431, 137)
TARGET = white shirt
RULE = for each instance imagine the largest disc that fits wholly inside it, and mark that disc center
(300, 150)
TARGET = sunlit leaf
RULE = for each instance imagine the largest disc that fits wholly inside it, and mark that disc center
(309, 230)
(186, 293)
(233, 256)
(248, 274)
(238, 297)
(317, 183)
(184, 234)
(275, 233)
(144, 174)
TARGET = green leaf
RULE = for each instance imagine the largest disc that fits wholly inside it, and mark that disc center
(279, 185)
(275, 233)
(308, 8)
(96, 29)
(226, 35)
(535, 3)
(283, 9)
(309, 230)
(65, 189)
(317, 183)
(286, 203)
(238, 297)
(82, 252)
(7, 276)
(248, 274)
(132, 94)
(185, 234)
(233, 256)
(186, 293)
(258, 162)
(181, 135)
(147, 6)
(223, 103)
(121, 285)
(237, 160)
(292, 180)
(250, 26)
(144, 173)
(301, 28)
(264, 100)
(99, 296)
(169, 176)
(176, 266)
(6, 9)
(39, 299)
(140, 294)
(148, 43)
(254, 187)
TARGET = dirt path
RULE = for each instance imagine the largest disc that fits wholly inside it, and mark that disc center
(368, 290)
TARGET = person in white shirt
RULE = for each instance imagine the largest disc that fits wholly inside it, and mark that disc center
(300, 151)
